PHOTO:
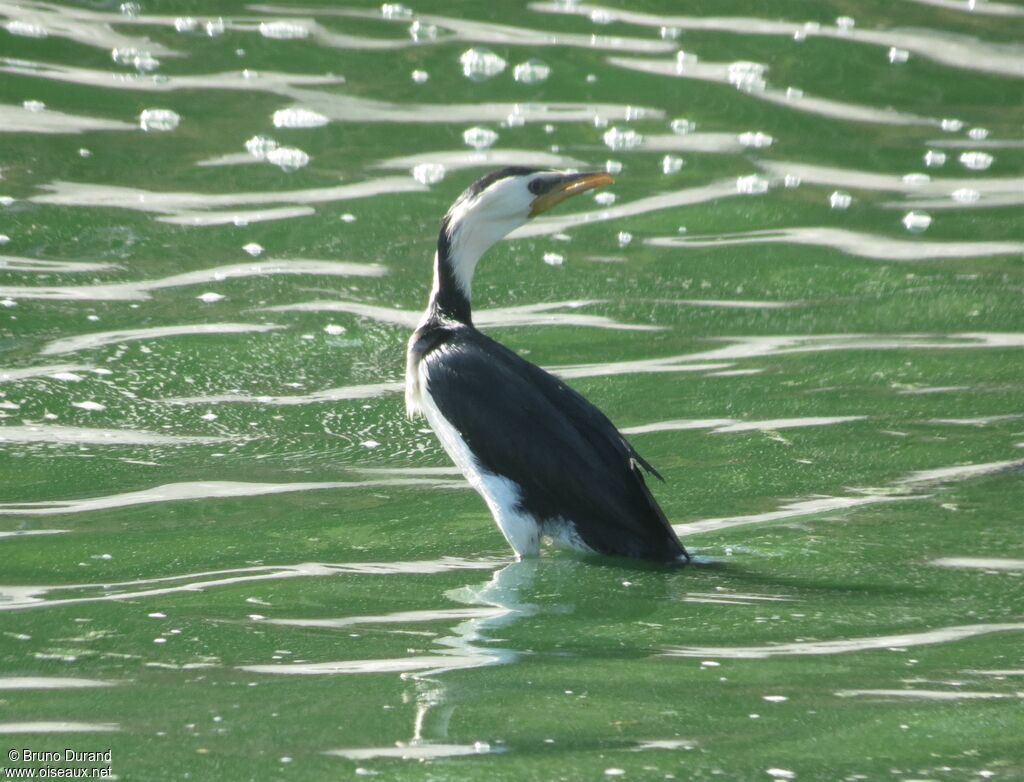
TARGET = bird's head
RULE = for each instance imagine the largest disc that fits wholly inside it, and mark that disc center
(496, 205)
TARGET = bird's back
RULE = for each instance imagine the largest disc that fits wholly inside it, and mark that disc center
(569, 462)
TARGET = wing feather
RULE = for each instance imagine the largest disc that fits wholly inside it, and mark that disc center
(569, 460)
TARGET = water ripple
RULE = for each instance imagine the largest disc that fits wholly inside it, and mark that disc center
(10, 263)
(763, 346)
(957, 51)
(338, 394)
(981, 563)
(843, 646)
(851, 242)
(705, 361)
(248, 81)
(353, 108)
(933, 193)
(236, 216)
(901, 490)
(398, 617)
(973, 8)
(545, 226)
(716, 143)
(18, 119)
(523, 315)
(86, 27)
(103, 338)
(205, 490)
(183, 204)
(720, 425)
(473, 31)
(14, 598)
(51, 683)
(722, 73)
(928, 695)
(380, 665)
(140, 290)
(57, 726)
(65, 435)
(25, 373)
(457, 159)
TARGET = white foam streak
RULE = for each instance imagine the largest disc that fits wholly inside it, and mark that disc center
(84, 26)
(704, 361)
(206, 490)
(975, 7)
(263, 81)
(14, 375)
(338, 394)
(55, 726)
(77, 435)
(545, 226)
(722, 143)
(10, 263)
(981, 420)
(478, 32)
(734, 304)
(18, 119)
(966, 143)
(856, 243)
(50, 683)
(413, 751)
(21, 533)
(893, 183)
(183, 204)
(902, 490)
(958, 51)
(398, 617)
(763, 346)
(789, 510)
(524, 315)
(928, 695)
(141, 290)
(722, 425)
(981, 563)
(380, 665)
(236, 216)
(103, 338)
(351, 108)
(21, 597)
(935, 193)
(962, 472)
(844, 646)
(638, 367)
(825, 107)
(456, 160)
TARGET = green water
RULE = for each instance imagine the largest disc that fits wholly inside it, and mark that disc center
(225, 553)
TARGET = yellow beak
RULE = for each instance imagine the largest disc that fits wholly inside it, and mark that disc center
(570, 185)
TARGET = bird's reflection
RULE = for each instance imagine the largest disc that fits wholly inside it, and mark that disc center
(468, 645)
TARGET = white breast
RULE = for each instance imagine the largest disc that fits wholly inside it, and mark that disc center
(502, 495)
(412, 382)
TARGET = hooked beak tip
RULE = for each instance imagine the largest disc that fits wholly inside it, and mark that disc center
(574, 184)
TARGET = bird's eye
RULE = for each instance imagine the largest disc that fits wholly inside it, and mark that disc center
(537, 186)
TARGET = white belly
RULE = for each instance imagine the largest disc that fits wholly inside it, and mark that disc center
(502, 495)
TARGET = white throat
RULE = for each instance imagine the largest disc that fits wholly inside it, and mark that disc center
(477, 223)
(469, 238)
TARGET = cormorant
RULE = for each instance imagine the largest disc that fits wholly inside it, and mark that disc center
(546, 461)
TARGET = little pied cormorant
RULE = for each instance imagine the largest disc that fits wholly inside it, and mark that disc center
(546, 461)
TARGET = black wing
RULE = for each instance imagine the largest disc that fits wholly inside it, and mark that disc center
(568, 458)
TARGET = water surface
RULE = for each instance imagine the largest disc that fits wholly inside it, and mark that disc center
(226, 553)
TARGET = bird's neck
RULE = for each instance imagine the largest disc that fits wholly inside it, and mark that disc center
(454, 265)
